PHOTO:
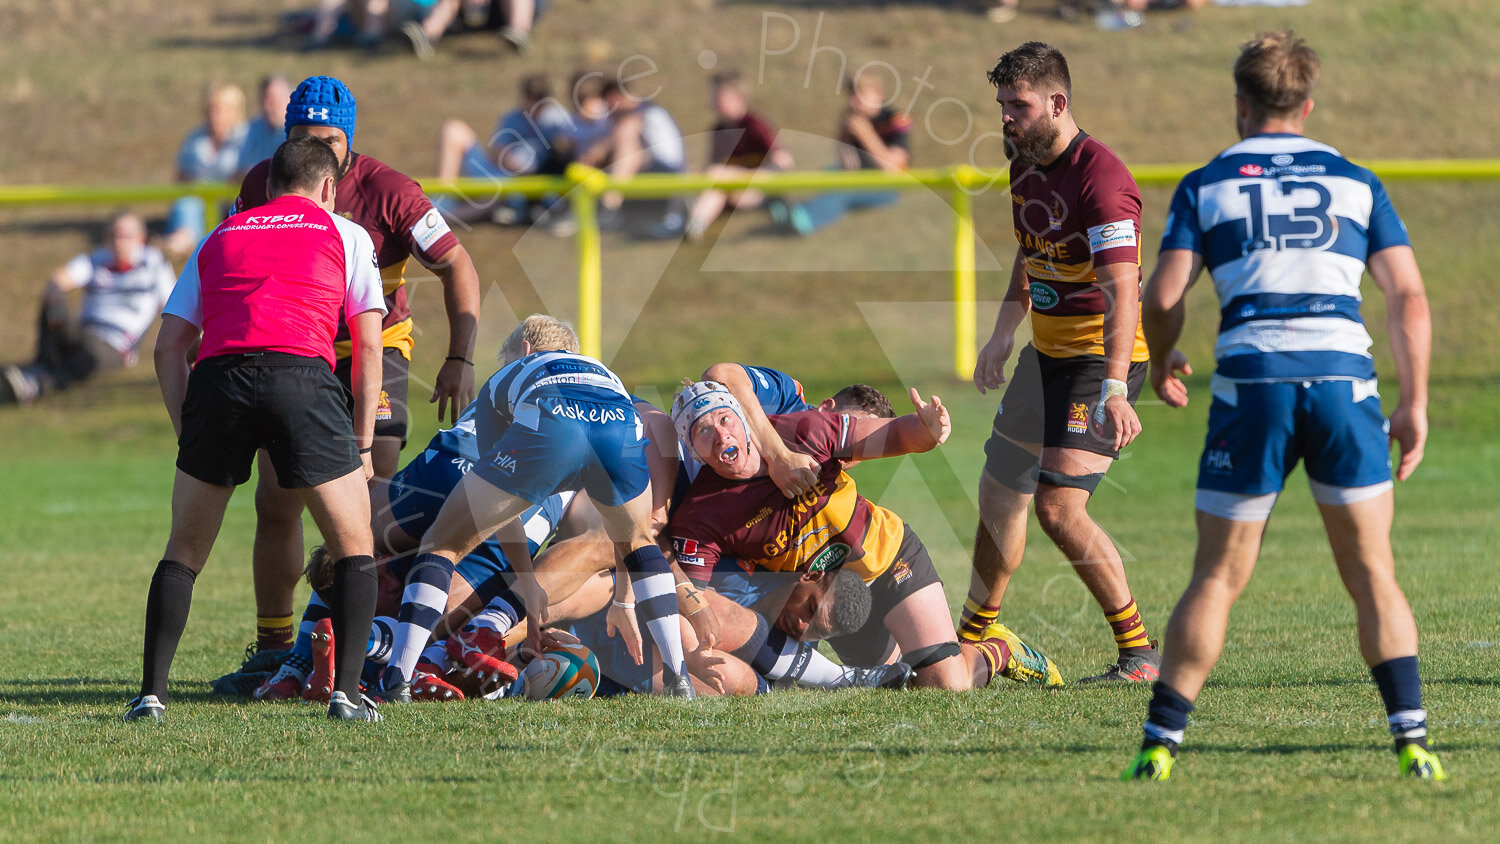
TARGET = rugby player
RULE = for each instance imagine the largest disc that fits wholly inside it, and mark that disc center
(1069, 407)
(550, 421)
(264, 293)
(737, 510)
(1286, 227)
(403, 224)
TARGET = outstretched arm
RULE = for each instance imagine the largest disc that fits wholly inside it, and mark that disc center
(923, 430)
(1409, 322)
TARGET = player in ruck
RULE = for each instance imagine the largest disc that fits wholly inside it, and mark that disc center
(552, 421)
(1286, 227)
(265, 292)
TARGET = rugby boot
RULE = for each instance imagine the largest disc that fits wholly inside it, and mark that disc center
(1026, 664)
(1137, 665)
(320, 682)
(340, 708)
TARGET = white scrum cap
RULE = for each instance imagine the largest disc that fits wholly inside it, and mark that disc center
(696, 400)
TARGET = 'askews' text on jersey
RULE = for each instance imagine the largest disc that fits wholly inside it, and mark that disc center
(1285, 225)
(561, 385)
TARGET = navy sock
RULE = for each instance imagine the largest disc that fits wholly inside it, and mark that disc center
(1400, 686)
(352, 609)
(1166, 717)
(167, 605)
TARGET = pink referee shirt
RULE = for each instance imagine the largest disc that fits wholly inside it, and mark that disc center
(275, 279)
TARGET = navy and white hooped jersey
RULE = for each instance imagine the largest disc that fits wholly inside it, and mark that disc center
(1285, 225)
(460, 440)
(568, 384)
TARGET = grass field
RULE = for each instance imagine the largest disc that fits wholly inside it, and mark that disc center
(1288, 743)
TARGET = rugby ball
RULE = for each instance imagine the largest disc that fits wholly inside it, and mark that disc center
(567, 670)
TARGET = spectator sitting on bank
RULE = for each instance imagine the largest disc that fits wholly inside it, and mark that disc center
(871, 136)
(124, 285)
(643, 138)
(525, 141)
(210, 153)
(268, 129)
(511, 20)
(366, 19)
(742, 142)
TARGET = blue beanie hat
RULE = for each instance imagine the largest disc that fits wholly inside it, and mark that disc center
(322, 101)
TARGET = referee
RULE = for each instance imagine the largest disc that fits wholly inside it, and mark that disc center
(265, 290)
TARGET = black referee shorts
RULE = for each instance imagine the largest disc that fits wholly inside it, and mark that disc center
(292, 406)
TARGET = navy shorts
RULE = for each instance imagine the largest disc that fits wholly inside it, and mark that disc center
(599, 447)
(292, 406)
(418, 490)
(1258, 431)
(1052, 400)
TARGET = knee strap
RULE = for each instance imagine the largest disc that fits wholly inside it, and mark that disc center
(1010, 464)
(933, 654)
(1087, 483)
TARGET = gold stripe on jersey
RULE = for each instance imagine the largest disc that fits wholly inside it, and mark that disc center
(1071, 336)
(882, 543)
(809, 527)
(393, 277)
(397, 335)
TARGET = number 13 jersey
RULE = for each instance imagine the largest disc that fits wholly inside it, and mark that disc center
(1285, 224)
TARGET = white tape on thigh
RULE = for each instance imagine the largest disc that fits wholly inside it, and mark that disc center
(1330, 494)
(1236, 506)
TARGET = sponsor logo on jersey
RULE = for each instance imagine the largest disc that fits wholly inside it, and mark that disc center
(428, 229)
(1251, 170)
(901, 571)
(1078, 418)
(830, 557)
(273, 218)
(1120, 233)
(1281, 159)
(383, 408)
(1043, 297)
(686, 551)
(1055, 215)
(587, 413)
(505, 462)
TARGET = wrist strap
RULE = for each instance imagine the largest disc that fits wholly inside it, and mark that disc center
(624, 605)
(367, 449)
(459, 358)
(1112, 387)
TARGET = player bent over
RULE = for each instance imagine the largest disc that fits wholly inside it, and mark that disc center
(1286, 227)
(737, 510)
(551, 421)
(265, 290)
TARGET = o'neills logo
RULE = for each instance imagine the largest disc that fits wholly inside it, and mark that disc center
(831, 557)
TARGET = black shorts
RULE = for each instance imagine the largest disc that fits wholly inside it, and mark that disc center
(912, 570)
(1051, 401)
(391, 415)
(289, 405)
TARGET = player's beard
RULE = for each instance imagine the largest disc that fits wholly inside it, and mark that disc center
(1030, 147)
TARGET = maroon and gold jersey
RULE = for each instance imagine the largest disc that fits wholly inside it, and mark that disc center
(1080, 212)
(401, 221)
(829, 527)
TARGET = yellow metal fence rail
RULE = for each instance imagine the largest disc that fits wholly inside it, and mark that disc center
(583, 186)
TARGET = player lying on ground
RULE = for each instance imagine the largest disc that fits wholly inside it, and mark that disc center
(736, 509)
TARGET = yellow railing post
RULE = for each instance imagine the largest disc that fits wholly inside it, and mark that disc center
(588, 183)
(964, 283)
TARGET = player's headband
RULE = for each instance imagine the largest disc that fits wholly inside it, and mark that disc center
(695, 401)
